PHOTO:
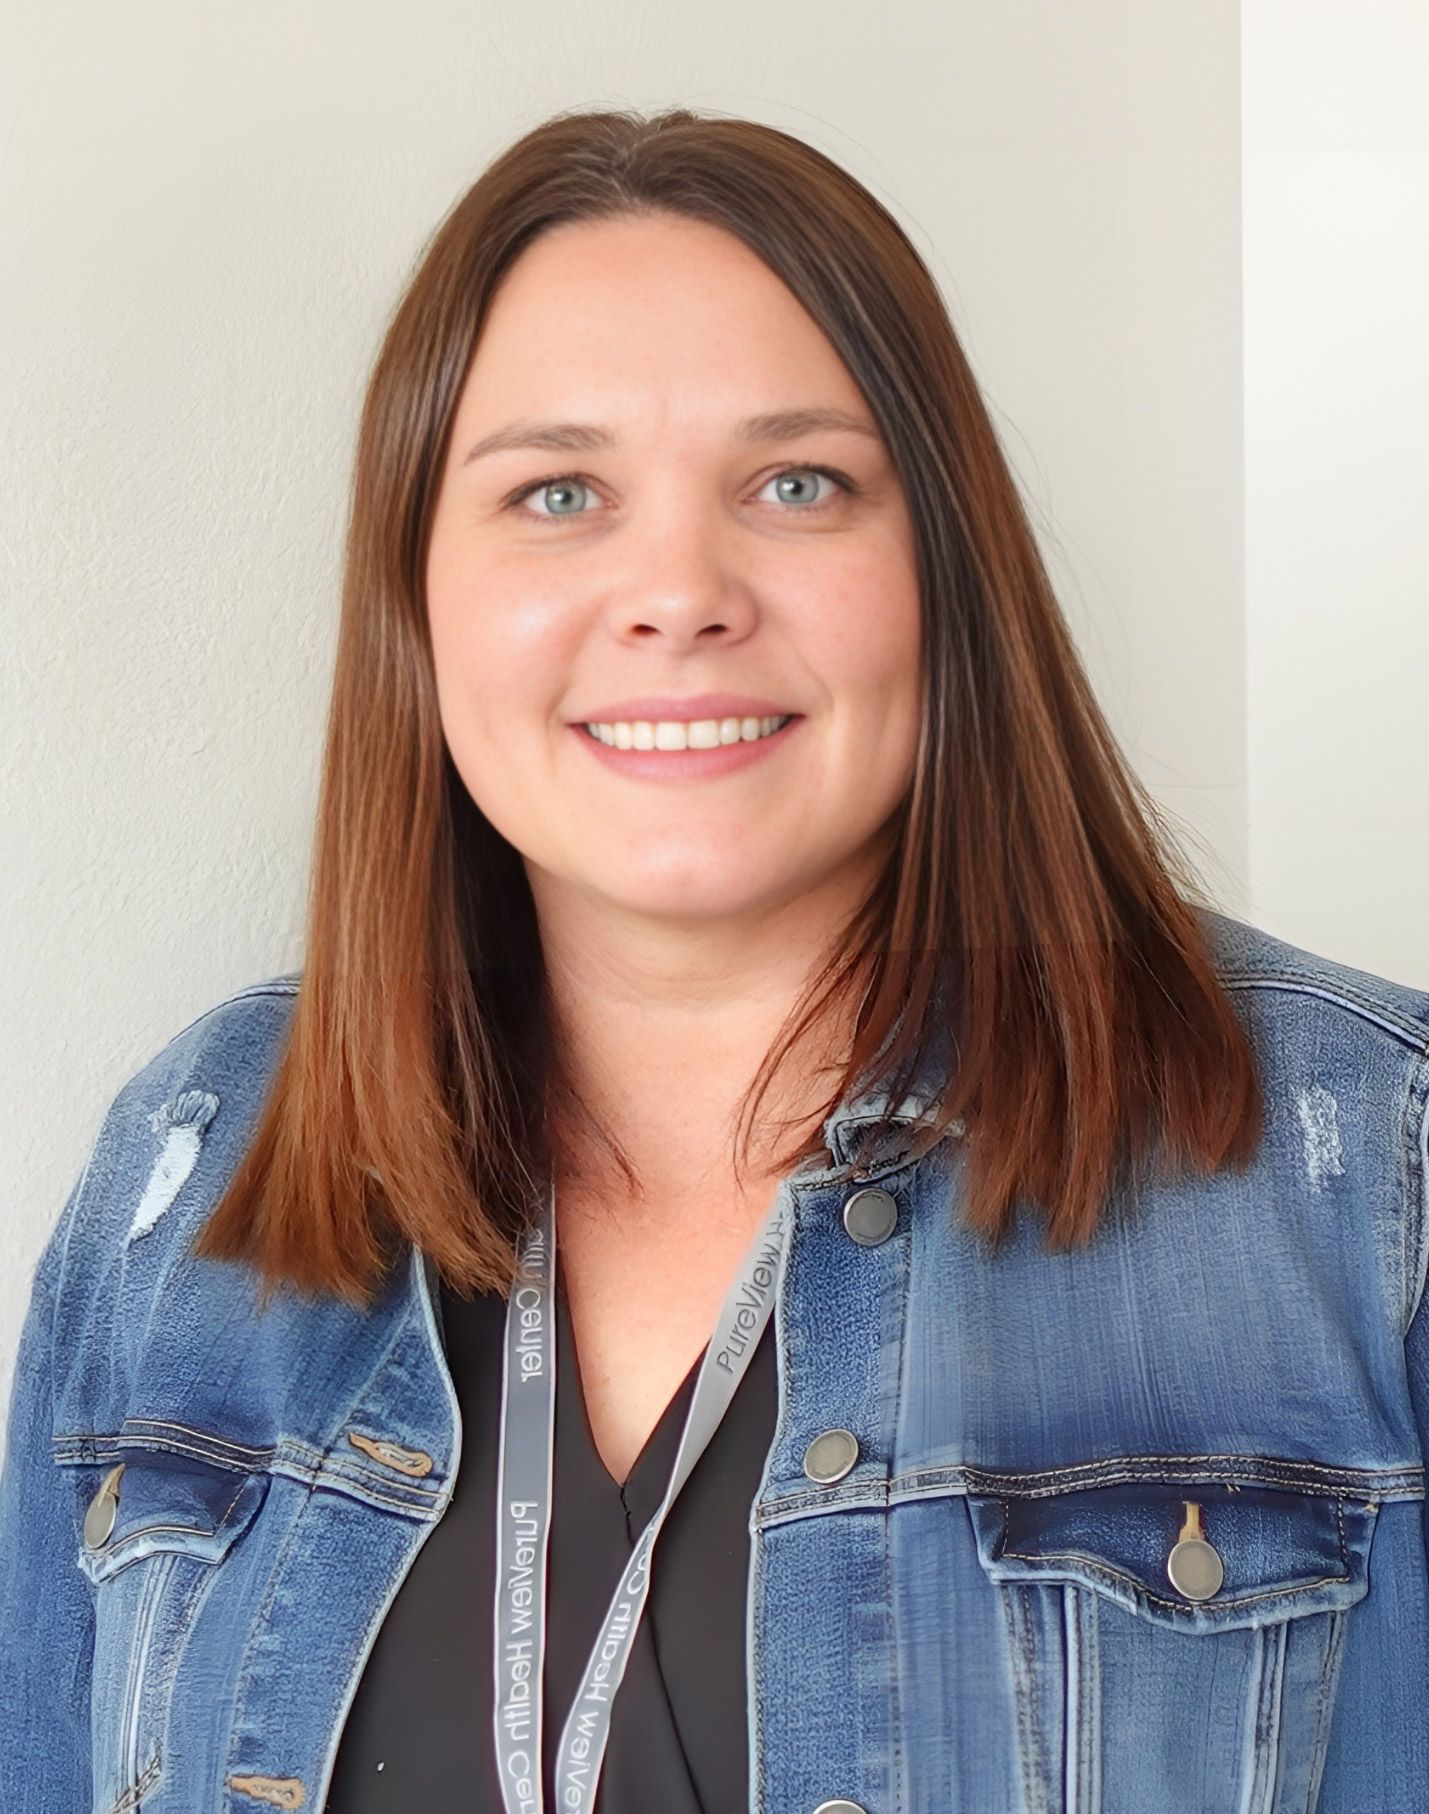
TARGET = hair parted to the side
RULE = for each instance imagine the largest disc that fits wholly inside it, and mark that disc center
(1033, 898)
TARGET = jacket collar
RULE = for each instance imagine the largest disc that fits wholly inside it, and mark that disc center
(848, 1129)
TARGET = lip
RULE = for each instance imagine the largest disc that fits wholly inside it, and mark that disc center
(687, 765)
(693, 706)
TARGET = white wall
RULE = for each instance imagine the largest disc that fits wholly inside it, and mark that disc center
(205, 222)
(1336, 185)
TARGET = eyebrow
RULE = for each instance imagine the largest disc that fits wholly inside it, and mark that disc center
(579, 437)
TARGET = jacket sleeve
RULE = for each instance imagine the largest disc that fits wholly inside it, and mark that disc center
(46, 1605)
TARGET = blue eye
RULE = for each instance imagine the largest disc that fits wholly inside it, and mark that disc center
(568, 483)
(797, 473)
(563, 482)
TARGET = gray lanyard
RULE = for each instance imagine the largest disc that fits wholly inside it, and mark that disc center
(523, 1512)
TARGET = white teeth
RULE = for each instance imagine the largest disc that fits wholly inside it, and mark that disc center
(673, 734)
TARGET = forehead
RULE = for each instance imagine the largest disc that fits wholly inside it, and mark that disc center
(650, 318)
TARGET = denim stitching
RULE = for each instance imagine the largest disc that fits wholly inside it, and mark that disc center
(1248, 1773)
(330, 1481)
(757, 1800)
(161, 1530)
(145, 1620)
(1020, 1662)
(864, 1489)
(134, 1425)
(1324, 1701)
(904, 1259)
(176, 1530)
(1269, 1713)
(260, 1620)
(1301, 982)
(1074, 1705)
(293, 1460)
(127, 1700)
(1114, 1462)
(363, 1484)
(1094, 1565)
(1070, 1698)
(302, 1461)
(336, 1470)
(201, 1582)
(141, 1786)
(223, 1452)
(1090, 1608)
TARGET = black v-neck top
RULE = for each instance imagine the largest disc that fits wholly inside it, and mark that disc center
(419, 1732)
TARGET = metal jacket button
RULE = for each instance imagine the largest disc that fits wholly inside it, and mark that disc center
(1194, 1565)
(103, 1510)
(870, 1216)
(830, 1456)
(839, 1807)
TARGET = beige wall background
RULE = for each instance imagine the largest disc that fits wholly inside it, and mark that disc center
(1183, 244)
(1335, 200)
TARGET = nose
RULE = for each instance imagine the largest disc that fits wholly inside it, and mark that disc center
(679, 579)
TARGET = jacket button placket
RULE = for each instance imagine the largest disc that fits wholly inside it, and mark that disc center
(844, 1295)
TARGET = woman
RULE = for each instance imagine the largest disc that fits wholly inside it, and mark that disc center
(758, 1079)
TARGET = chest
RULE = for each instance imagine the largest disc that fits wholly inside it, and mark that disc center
(643, 1302)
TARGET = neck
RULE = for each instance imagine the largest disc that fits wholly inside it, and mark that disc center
(663, 1026)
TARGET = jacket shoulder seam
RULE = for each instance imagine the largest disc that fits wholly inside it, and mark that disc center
(276, 986)
(1410, 1030)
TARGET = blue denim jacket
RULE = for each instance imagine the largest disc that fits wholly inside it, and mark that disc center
(981, 1616)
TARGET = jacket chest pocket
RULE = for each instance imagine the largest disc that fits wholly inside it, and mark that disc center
(156, 1529)
(1173, 1647)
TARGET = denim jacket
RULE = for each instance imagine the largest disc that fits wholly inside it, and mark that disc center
(982, 1615)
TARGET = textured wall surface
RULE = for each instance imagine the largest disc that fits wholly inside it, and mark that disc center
(207, 214)
(1336, 186)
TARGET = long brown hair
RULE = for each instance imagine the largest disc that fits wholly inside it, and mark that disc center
(1033, 905)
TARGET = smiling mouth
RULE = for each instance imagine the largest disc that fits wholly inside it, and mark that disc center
(694, 734)
(687, 762)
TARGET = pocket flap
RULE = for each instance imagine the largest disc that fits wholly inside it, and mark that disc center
(175, 1504)
(1280, 1553)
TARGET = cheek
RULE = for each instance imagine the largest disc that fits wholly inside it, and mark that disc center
(455, 664)
(468, 704)
(499, 629)
(478, 666)
(884, 652)
(878, 651)
(490, 706)
(450, 621)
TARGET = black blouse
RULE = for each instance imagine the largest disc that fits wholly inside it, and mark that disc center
(419, 1732)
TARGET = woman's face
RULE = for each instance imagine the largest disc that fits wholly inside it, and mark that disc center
(658, 555)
